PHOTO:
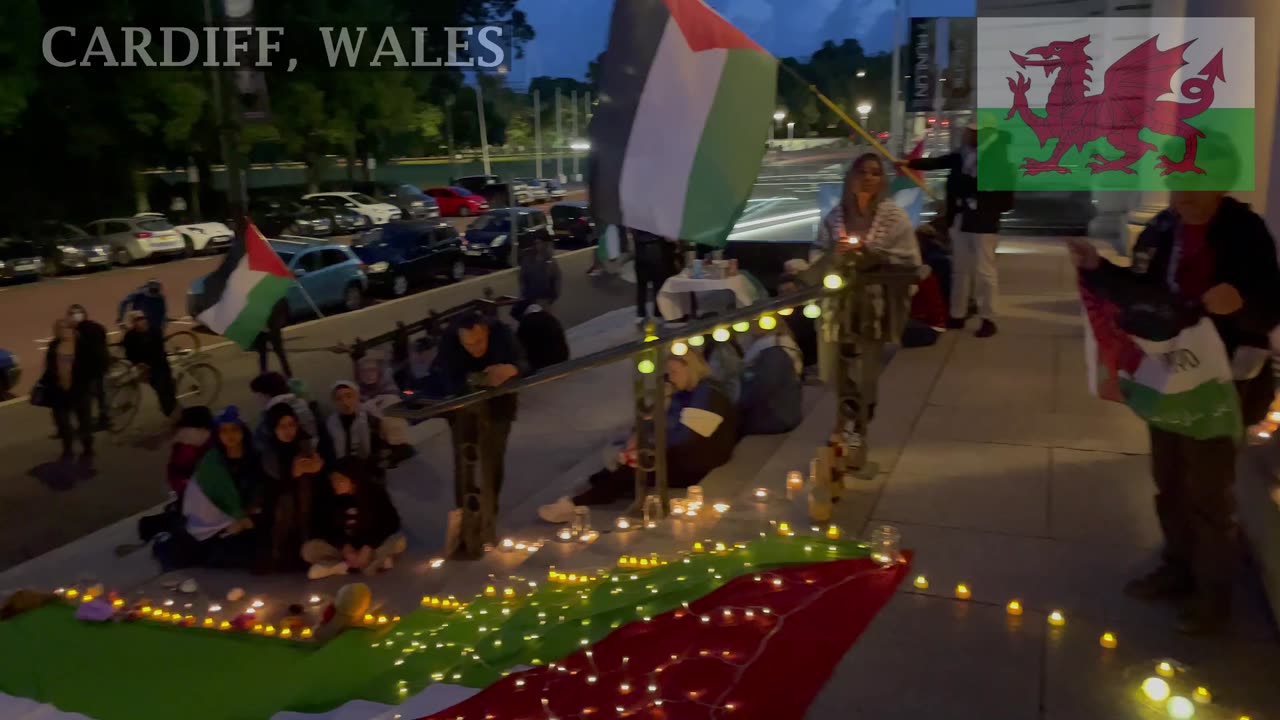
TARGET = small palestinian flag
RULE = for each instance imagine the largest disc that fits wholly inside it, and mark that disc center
(686, 103)
(241, 293)
(211, 500)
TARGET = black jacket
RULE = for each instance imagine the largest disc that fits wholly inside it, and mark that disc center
(1244, 257)
(962, 188)
(146, 348)
(366, 518)
(543, 340)
(453, 368)
(94, 336)
(83, 372)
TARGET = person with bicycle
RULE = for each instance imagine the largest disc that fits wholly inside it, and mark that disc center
(148, 300)
(94, 337)
(145, 349)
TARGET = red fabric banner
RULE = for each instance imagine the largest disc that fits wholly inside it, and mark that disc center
(759, 648)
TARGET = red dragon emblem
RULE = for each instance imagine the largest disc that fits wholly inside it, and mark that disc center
(1128, 103)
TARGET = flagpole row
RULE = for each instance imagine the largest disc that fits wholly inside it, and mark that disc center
(915, 177)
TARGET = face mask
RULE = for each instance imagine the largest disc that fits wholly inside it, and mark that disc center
(77, 317)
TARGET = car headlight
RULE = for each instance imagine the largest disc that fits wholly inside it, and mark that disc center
(380, 267)
(69, 249)
(498, 241)
(417, 204)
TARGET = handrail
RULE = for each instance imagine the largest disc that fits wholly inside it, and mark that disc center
(418, 410)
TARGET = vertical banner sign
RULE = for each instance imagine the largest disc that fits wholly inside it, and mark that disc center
(923, 69)
(962, 56)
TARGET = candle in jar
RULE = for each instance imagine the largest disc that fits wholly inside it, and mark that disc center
(761, 494)
(795, 481)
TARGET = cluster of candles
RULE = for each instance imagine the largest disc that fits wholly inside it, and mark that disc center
(292, 627)
(570, 578)
(512, 545)
(445, 603)
(632, 562)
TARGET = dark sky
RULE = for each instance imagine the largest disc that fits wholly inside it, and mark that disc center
(571, 32)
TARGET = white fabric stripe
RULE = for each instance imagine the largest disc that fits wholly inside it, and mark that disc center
(670, 118)
(16, 708)
(235, 296)
(1112, 37)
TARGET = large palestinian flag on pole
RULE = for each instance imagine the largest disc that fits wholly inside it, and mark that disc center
(241, 293)
(1108, 103)
(686, 106)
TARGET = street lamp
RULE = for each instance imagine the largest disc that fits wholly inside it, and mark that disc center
(778, 117)
(864, 109)
(862, 73)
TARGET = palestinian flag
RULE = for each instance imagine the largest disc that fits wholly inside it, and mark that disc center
(686, 103)
(211, 500)
(241, 293)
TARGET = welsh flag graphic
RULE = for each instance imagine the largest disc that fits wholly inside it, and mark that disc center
(1106, 103)
(700, 634)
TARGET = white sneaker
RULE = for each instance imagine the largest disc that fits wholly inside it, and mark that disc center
(558, 512)
(318, 571)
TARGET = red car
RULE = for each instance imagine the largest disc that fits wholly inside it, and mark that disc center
(456, 201)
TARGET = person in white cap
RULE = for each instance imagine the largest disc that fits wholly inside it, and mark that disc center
(974, 221)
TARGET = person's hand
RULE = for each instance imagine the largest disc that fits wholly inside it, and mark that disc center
(307, 465)
(1083, 254)
(499, 374)
(1222, 299)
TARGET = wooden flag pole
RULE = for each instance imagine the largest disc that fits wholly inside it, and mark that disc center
(915, 177)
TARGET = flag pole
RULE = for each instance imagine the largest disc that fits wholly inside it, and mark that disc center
(857, 128)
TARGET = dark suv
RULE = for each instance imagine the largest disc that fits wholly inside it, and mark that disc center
(571, 222)
(409, 254)
(489, 237)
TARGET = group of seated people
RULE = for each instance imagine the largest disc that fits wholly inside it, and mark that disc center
(713, 400)
(301, 488)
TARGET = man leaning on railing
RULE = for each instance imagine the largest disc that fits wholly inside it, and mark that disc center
(477, 353)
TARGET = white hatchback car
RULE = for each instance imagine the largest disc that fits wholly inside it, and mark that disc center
(137, 238)
(379, 213)
(201, 237)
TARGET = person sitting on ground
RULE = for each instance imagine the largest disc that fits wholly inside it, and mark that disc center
(271, 389)
(354, 431)
(220, 504)
(770, 403)
(291, 469)
(803, 330)
(725, 361)
(542, 337)
(539, 278)
(701, 426)
(357, 528)
(376, 381)
(145, 349)
(190, 441)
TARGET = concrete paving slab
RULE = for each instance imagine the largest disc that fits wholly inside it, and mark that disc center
(1102, 498)
(1012, 500)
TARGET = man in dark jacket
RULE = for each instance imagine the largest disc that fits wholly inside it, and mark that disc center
(974, 220)
(655, 261)
(478, 353)
(94, 337)
(148, 300)
(539, 279)
(145, 349)
(542, 337)
(272, 339)
(1216, 252)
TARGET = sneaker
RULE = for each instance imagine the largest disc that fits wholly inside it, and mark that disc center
(319, 571)
(558, 512)
(1165, 583)
(955, 323)
(987, 330)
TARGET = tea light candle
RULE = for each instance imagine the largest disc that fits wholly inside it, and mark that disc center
(589, 536)
(1202, 695)
(623, 524)
(1164, 669)
(1056, 618)
(565, 534)
(760, 495)
(508, 544)
(1014, 608)
(795, 482)
(721, 508)
(784, 528)
(833, 532)
(921, 582)
(1108, 640)
(962, 591)
(679, 506)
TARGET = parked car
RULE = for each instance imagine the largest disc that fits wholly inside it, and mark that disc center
(489, 237)
(20, 260)
(536, 190)
(404, 255)
(555, 191)
(276, 217)
(380, 213)
(458, 202)
(571, 222)
(64, 247)
(331, 276)
(342, 220)
(201, 237)
(137, 238)
(413, 203)
(493, 190)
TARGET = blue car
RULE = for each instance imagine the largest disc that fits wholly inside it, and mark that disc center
(332, 276)
(489, 237)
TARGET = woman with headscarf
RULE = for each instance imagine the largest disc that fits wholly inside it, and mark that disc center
(866, 219)
(290, 469)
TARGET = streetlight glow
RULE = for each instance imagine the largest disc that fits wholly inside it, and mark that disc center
(864, 108)
(779, 116)
(580, 145)
(862, 73)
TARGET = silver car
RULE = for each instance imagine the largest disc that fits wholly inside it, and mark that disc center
(137, 238)
(536, 190)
